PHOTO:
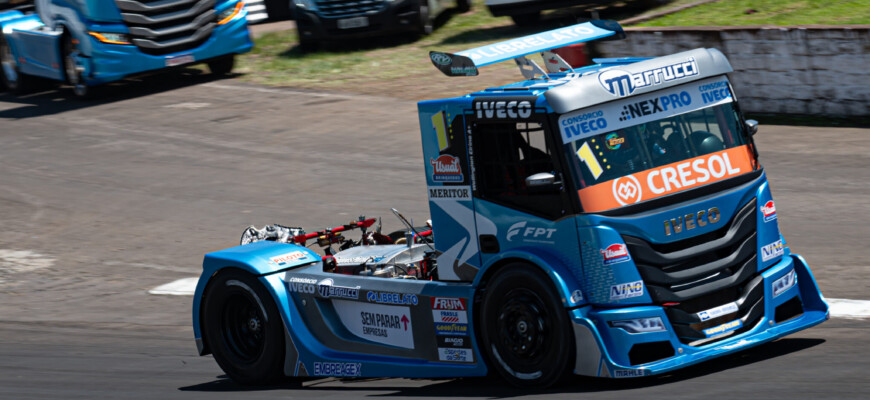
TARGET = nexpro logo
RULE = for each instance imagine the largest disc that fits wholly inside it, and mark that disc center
(656, 105)
(621, 83)
(504, 108)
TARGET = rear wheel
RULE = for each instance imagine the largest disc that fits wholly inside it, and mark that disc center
(9, 74)
(525, 329)
(243, 328)
(222, 66)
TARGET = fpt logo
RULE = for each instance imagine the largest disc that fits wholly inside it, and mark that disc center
(769, 211)
(627, 190)
(446, 169)
(530, 233)
(617, 82)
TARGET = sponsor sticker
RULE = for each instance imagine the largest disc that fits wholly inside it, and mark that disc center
(724, 328)
(769, 211)
(450, 316)
(626, 290)
(513, 48)
(337, 369)
(530, 233)
(576, 296)
(615, 253)
(453, 341)
(288, 258)
(496, 108)
(449, 303)
(450, 192)
(784, 283)
(667, 179)
(392, 298)
(455, 355)
(326, 289)
(628, 373)
(717, 312)
(451, 329)
(613, 141)
(379, 323)
(621, 83)
(771, 251)
(300, 287)
(446, 168)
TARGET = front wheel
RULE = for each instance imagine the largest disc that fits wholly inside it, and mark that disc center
(243, 328)
(222, 66)
(525, 329)
(73, 71)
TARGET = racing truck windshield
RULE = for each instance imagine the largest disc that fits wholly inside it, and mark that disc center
(659, 144)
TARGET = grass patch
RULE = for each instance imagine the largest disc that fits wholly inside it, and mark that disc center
(770, 12)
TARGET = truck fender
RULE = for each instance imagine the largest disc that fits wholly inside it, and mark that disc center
(565, 281)
(264, 260)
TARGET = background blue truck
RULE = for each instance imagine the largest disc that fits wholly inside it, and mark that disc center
(91, 42)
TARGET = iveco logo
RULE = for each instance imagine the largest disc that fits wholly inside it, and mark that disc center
(690, 221)
(503, 109)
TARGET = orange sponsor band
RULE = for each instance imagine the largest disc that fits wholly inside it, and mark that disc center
(667, 179)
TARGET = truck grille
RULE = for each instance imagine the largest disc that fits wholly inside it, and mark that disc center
(344, 8)
(159, 27)
(702, 273)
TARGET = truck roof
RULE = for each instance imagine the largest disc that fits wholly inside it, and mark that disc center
(606, 80)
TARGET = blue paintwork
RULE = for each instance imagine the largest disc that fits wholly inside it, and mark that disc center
(103, 62)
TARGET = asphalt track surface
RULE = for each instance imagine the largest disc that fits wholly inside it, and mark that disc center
(101, 201)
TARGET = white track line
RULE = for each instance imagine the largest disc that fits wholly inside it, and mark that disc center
(181, 287)
(840, 308)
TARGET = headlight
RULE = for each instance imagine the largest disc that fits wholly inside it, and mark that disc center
(784, 283)
(307, 4)
(640, 325)
(230, 13)
(111, 38)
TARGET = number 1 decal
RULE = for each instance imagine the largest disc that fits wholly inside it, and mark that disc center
(588, 158)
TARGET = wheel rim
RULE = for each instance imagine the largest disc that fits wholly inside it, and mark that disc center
(523, 327)
(243, 330)
(7, 61)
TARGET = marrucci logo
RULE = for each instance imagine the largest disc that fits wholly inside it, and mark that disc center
(503, 109)
(621, 83)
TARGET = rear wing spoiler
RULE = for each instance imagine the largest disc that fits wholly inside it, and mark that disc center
(466, 63)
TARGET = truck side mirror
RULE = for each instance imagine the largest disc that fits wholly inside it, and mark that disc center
(542, 182)
(751, 126)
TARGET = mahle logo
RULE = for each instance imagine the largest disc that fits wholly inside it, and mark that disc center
(440, 58)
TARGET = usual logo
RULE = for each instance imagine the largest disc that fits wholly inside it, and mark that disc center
(690, 221)
(615, 253)
(626, 190)
(771, 251)
(446, 169)
(529, 232)
(502, 109)
(621, 83)
(440, 58)
(769, 211)
(626, 290)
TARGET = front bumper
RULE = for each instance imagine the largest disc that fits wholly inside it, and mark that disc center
(394, 17)
(111, 62)
(606, 351)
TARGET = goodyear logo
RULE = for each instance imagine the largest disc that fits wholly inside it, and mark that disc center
(724, 328)
(452, 329)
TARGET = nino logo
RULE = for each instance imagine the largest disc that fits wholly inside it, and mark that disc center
(627, 190)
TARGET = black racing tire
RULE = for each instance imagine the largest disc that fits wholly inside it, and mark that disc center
(308, 44)
(243, 329)
(463, 5)
(222, 66)
(71, 73)
(525, 330)
(10, 76)
(424, 21)
(528, 19)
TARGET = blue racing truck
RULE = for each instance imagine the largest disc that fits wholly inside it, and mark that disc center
(610, 221)
(90, 42)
